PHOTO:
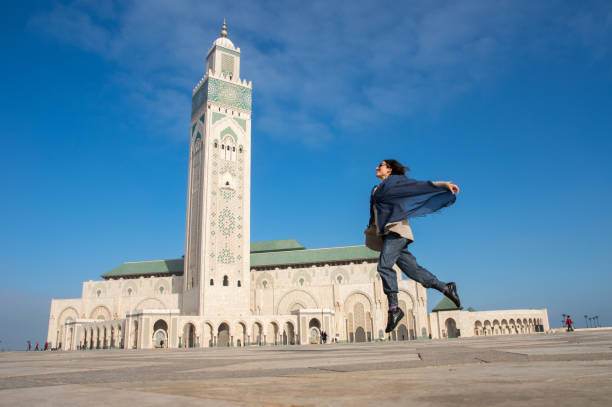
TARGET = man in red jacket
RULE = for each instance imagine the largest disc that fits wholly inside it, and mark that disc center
(569, 323)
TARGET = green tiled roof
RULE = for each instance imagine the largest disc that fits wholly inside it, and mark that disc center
(312, 256)
(141, 268)
(276, 246)
(445, 305)
(270, 253)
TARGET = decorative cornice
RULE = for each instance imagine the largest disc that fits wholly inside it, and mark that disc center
(224, 49)
(223, 77)
(223, 89)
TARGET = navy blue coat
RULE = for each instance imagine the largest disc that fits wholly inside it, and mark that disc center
(399, 197)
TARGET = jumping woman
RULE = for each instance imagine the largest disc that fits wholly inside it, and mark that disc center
(392, 202)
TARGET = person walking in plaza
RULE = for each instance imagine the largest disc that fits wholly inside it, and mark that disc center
(392, 202)
(569, 323)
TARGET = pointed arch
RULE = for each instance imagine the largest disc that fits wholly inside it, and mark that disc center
(228, 132)
(295, 296)
(227, 127)
(100, 311)
(68, 312)
(355, 296)
(404, 293)
(151, 303)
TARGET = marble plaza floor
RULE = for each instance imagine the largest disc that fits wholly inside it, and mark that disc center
(562, 369)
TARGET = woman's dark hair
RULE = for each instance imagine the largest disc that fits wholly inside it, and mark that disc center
(396, 167)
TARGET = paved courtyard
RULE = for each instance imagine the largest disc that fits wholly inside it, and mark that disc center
(544, 370)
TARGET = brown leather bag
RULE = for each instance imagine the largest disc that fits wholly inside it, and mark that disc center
(372, 239)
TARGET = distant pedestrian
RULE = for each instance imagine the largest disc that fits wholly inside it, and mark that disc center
(29, 345)
(392, 202)
(569, 323)
(36, 348)
(324, 337)
(46, 345)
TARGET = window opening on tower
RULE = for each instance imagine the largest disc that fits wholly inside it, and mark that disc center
(229, 149)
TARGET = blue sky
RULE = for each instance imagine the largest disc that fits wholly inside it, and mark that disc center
(509, 99)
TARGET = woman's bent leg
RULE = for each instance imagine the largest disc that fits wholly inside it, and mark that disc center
(393, 244)
(409, 266)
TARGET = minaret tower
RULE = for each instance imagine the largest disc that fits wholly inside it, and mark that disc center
(217, 241)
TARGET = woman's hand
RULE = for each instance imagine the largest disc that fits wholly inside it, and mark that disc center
(454, 188)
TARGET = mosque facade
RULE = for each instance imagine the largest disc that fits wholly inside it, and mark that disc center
(229, 291)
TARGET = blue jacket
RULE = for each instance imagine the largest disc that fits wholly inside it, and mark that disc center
(399, 197)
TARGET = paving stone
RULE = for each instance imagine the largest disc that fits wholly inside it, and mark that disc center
(543, 370)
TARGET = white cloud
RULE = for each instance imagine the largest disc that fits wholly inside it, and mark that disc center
(323, 68)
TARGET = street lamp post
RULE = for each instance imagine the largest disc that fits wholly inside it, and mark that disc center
(563, 316)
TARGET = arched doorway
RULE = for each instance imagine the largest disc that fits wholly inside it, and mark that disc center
(402, 333)
(223, 335)
(360, 321)
(360, 335)
(257, 333)
(314, 331)
(189, 335)
(478, 328)
(160, 334)
(487, 327)
(451, 328)
(496, 328)
(289, 334)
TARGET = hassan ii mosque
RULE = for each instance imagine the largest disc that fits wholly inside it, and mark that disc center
(229, 291)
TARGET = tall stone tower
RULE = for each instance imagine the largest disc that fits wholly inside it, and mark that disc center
(217, 241)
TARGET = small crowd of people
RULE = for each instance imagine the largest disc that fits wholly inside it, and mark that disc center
(37, 347)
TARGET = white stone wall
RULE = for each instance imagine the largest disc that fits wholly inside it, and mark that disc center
(353, 292)
(297, 296)
(296, 302)
(479, 323)
(113, 300)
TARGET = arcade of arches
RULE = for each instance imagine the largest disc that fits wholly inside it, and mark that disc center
(454, 324)
(508, 326)
(359, 323)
